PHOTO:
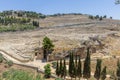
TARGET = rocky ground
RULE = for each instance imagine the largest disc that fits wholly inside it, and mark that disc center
(66, 32)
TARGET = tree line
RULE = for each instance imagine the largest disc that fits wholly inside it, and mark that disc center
(75, 69)
(21, 13)
(97, 17)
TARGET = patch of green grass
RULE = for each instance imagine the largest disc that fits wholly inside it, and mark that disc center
(13, 74)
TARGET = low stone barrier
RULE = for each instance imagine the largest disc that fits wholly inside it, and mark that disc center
(14, 57)
(35, 68)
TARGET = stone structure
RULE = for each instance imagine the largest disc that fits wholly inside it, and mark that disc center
(39, 53)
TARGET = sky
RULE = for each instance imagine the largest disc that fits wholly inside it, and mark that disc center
(93, 7)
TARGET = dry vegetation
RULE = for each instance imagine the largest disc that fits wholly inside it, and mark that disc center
(66, 32)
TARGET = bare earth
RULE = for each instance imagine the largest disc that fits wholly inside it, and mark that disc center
(66, 32)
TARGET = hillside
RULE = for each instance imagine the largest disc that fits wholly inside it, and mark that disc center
(67, 32)
(19, 20)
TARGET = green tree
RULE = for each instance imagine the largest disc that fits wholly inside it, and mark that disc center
(75, 66)
(118, 70)
(61, 69)
(91, 17)
(104, 16)
(76, 60)
(75, 72)
(103, 73)
(97, 17)
(87, 68)
(79, 71)
(64, 69)
(117, 1)
(101, 18)
(71, 65)
(70, 62)
(98, 69)
(35, 23)
(110, 17)
(47, 46)
(57, 69)
(47, 71)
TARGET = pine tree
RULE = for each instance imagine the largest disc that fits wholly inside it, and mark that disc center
(79, 71)
(98, 69)
(118, 70)
(57, 69)
(103, 73)
(87, 69)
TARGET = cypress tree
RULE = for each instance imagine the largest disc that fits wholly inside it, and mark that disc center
(103, 73)
(60, 70)
(64, 68)
(75, 72)
(76, 60)
(79, 71)
(98, 69)
(75, 66)
(118, 70)
(87, 69)
(57, 69)
(70, 64)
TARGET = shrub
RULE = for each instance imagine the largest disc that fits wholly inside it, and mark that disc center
(54, 64)
(1, 58)
(97, 17)
(47, 71)
(91, 17)
(10, 63)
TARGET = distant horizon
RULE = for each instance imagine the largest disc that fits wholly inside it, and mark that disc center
(94, 7)
(59, 13)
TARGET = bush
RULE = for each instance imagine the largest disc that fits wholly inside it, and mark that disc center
(54, 64)
(1, 58)
(10, 63)
(47, 71)
(97, 17)
(91, 17)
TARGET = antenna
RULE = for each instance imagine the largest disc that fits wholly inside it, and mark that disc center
(117, 1)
